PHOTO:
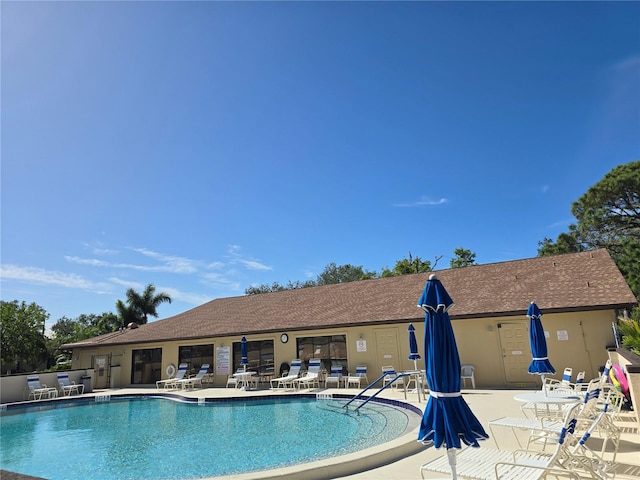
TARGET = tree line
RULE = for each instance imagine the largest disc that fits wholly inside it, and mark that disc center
(333, 273)
(25, 345)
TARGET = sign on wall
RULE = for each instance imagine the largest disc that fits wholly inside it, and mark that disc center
(223, 360)
(563, 335)
(361, 346)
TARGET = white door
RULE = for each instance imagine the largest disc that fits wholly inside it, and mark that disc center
(387, 350)
(516, 353)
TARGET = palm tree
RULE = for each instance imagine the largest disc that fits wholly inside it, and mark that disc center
(127, 314)
(146, 304)
(630, 330)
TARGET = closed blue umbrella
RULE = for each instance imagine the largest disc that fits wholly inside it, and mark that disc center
(540, 365)
(447, 418)
(413, 347)
(244, 359)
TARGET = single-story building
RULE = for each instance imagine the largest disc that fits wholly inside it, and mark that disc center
(581, 296)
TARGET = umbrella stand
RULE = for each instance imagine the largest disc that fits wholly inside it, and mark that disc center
(451, 453)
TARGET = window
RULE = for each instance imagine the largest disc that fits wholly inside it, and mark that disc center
(195, 356)
(331, 349)
(259, 354)
(146, 366)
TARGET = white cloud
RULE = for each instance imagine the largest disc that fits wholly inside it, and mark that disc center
(127, 283)
(422, 202)
(171, 263)
(40, 276)
(100, 249)
(249, 263)
(187, 297)
(174, 293)
(220, 281)
(253, 265)
(87, 261)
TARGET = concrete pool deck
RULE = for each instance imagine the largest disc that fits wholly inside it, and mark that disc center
(401, 459)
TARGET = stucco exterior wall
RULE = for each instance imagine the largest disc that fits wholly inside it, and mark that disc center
(578, 340)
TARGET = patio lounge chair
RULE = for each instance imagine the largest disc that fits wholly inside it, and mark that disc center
(287, 380)
(193, 382)
(312, 377)
(335, 376)
(68, 387)
(570, 458)
(170, 383)
(37, 391)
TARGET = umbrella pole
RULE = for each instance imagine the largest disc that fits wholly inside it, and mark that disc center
(451, 453)
(544, 388)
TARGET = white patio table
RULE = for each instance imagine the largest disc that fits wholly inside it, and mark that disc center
(544, 400)
(244, 378)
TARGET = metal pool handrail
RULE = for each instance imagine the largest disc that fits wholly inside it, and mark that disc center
(398, 376)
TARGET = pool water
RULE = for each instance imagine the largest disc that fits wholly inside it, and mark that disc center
(156, 438)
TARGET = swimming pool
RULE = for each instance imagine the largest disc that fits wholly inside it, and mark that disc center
(162, 439)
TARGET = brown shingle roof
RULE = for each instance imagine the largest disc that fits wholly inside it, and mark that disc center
(572, 282)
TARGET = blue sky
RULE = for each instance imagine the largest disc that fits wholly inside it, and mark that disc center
(208, 146)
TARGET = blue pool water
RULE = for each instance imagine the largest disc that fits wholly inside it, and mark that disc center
(155, 438)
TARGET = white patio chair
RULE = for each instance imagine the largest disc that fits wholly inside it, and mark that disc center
(335, 376)
(563, 384)
(311, 377)
(38, 391)
(287, 380)
(390, 375)
(466, 373)
(193, 382)
(355, 380)
(361, 372)
(67, 387)
(232, 381)
(170, 383)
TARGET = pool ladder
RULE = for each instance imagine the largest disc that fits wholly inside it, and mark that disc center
(384, 387)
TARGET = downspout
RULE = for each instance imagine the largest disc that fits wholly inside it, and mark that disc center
(584, 342)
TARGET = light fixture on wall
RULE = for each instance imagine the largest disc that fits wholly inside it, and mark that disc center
(362, 336)
(490, 328)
